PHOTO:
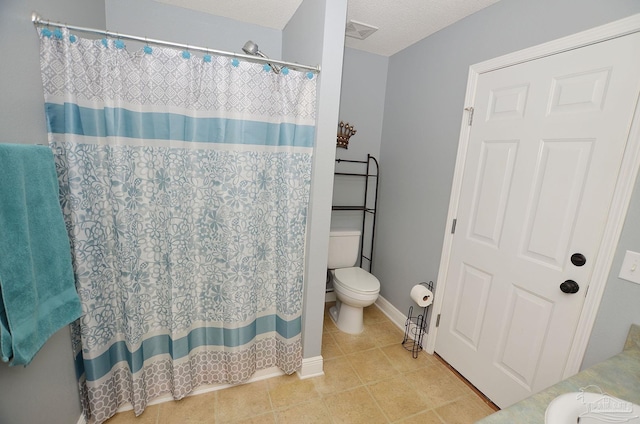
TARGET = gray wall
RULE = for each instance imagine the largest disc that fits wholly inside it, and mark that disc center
(422, 117)
(364, 81)
(46, 390)
(187, 26)
(315, 35)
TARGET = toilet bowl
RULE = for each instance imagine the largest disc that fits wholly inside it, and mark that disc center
(355, 288)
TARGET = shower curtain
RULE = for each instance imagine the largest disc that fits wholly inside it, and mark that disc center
(184, 182)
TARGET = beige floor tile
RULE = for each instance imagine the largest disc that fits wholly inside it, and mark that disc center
(350, 343)
(268, 418)
(313, 412)
(338, 376)
(372, 314)
(399, 388)
(465, 410)
(354, 407)
(384, 333)
(242, 402)
(371, 365)
(402, 359)
(438, 383)
(428, 417)
(330, 348)
(149, 416)
(328, 324)
(198, 409)
(290, 390)
(397, 399)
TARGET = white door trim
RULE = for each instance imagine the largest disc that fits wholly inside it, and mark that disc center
(622, 193)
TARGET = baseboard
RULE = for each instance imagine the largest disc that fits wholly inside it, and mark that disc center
(311, 367)
(396, 317)
(330, 297)
(257, 376)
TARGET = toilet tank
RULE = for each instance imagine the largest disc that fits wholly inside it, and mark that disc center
(344, 246)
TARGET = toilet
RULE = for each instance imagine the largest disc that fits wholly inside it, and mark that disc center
(355, 288)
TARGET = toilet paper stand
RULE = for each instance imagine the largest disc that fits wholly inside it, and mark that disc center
(415, 327)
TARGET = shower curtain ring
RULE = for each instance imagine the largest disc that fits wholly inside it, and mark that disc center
(147, 48)
(119, 44)
(207, 56)
(186, 54)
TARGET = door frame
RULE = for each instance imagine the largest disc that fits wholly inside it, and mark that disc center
(619, 204)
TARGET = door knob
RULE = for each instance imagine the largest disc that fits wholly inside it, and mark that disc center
(578, 259)
(569, 287)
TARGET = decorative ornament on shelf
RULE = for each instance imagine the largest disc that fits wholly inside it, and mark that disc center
(345, 131)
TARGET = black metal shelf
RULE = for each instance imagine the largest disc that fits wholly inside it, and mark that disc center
(365, 207)
(355, 175)
(352, 208)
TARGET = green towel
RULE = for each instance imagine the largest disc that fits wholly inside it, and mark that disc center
(38, 295)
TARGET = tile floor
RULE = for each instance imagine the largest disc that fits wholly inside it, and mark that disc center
(369, 378)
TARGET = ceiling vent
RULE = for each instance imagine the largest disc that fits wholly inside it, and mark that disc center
(359, 30)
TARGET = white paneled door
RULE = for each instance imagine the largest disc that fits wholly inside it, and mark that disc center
(544, 152)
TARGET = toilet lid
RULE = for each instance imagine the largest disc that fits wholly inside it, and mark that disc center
(357, 279)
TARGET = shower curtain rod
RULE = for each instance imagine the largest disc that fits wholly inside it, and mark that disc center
(37, 20)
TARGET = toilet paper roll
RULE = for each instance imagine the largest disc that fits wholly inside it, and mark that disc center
(421, 295)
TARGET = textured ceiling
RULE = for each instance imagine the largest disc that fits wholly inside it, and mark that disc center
(400, 22)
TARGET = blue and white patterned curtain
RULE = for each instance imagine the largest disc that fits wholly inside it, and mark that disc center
(185, 184)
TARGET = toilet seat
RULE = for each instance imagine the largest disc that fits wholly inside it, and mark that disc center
(357, 280)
